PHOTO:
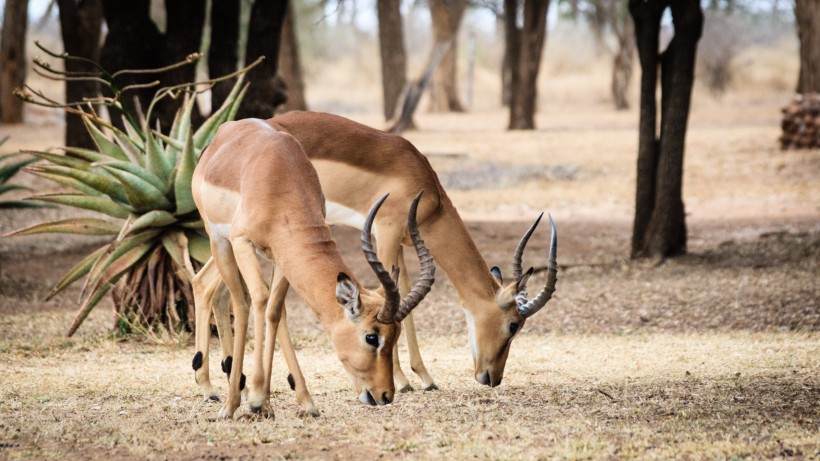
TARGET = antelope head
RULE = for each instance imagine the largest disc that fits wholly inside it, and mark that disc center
(491, 335)
(365, 342)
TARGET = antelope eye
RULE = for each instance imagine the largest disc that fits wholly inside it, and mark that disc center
(372, 339)
(513, 328)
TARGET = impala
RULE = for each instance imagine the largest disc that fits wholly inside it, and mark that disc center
(355, 164)
(258, 193)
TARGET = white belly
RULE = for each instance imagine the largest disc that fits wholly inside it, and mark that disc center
(340, 214)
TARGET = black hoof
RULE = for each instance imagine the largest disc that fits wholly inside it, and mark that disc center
(213, 398)
(256, 410)
(407, 388)
(196, 363)
(431, 387)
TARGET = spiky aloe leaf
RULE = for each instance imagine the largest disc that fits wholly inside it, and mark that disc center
(88, 155)
(10, 187)
(140, 194)
(106, 146)
(207, 130)
(7, 171)
(155, 158)
(129, 148)
(110, 276)
(83, 226)
(61, 160)
(98, 182)
(155, 218)
(137, 171)
(199, 247)
(102, 204)
(68, 182)
(185, 172)
(18, 204)
(176, 244)
(79, 270)
(115, 251)
(133, 134)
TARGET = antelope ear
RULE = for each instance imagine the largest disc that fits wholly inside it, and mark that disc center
(506, 296)
(497, 274)
(521, 283)
(347, 293)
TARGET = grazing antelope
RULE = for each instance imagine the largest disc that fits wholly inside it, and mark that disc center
(258, 193)
(355, 163)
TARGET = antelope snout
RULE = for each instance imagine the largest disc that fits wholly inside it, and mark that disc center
(367, 398)
(486, 379)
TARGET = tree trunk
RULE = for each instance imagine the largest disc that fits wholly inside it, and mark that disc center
(13, 58)
(446, 17)
(80, 25)
(266, 91)
(525, 73)
(133, 42)
(622, 63)
(807, 17)
(290, 63)
(660, 226)
(183, 35)
(394, 58)
(512, 48)
(223, 53)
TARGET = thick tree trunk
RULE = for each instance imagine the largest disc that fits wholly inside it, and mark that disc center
(223, 51)
(133, 42)
(266, 91)
(183, 35)
(512, 48)
(660, 226)
(393, 55)
(446, 17)
(290, 64)
(80, 24)
(807, 17)
(524, 82)
(13, 58)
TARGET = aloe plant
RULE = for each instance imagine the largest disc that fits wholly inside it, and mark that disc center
(138, 184)
(10, 165)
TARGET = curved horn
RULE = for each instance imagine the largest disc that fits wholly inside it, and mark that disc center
(528, 308)
(387, 313)
(519, 251)
(427, 271)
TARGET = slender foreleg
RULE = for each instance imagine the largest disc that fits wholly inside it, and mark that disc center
(409, 329)
(295, 377)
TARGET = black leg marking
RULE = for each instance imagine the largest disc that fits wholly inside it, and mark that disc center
(226, 365)
(242, 382)
(291, 382)
(197, 362)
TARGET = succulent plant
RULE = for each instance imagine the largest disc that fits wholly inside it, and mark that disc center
(138, 183)
(10, 164)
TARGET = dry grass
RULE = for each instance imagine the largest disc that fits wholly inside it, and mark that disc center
(566, 397)
(710, 356)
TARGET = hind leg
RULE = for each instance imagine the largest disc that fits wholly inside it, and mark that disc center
(204, 284)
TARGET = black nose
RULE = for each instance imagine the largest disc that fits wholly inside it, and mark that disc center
(497, 383)
(370, 399)
(483, 378)
(385, 398)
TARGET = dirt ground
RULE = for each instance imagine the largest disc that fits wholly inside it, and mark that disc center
(710, 356)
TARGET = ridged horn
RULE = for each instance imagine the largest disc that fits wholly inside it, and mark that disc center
(427, 271)
(528, 308)
(519, 251)
(387, 314)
